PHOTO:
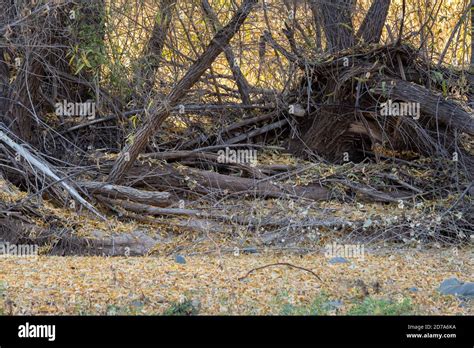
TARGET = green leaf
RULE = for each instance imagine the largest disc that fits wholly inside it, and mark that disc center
(81, 66)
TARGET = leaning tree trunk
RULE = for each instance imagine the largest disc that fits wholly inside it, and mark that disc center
(240, 80)
(161, 110)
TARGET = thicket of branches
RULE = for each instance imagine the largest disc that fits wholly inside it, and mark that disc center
(173, 82)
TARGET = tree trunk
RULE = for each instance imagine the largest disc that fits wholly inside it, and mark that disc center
(92, 22)
(371, 28)
(317, 26)
(23, 99)
(153, 52)
(472, 36)
(161, 112)
(336, 18)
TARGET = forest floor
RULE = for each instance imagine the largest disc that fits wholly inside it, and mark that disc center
(402, 281)
(205, 270)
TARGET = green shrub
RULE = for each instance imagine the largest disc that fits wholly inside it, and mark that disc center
(185, 307)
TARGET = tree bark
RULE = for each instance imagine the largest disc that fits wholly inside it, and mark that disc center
(445, 111)
(23, 97)
(317, 26)
(162, 111)
(4, 81)
(472, 36)
(124, 192)
(153, 52)
(4, 70)
(336, 18)
(371, 28)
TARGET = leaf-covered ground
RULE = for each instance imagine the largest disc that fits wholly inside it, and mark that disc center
(210, 283)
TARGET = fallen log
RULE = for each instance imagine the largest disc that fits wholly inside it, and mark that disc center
(257, 132)
(124, 192)
(203, 156)
(206, 182)
(370, 194)
(157, 211)
(188, 224)
(448, 112)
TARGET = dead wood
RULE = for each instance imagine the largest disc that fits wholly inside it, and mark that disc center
(123, 192)
(239, 78)
(160, 112)
(433, 105)
(206, 182)
(46, 170)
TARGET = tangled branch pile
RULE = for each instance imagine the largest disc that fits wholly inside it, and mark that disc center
(370, 123)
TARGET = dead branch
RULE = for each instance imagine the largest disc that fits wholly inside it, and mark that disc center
(161, 112)
(279, 264)
(45, 169)
(116, 191)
